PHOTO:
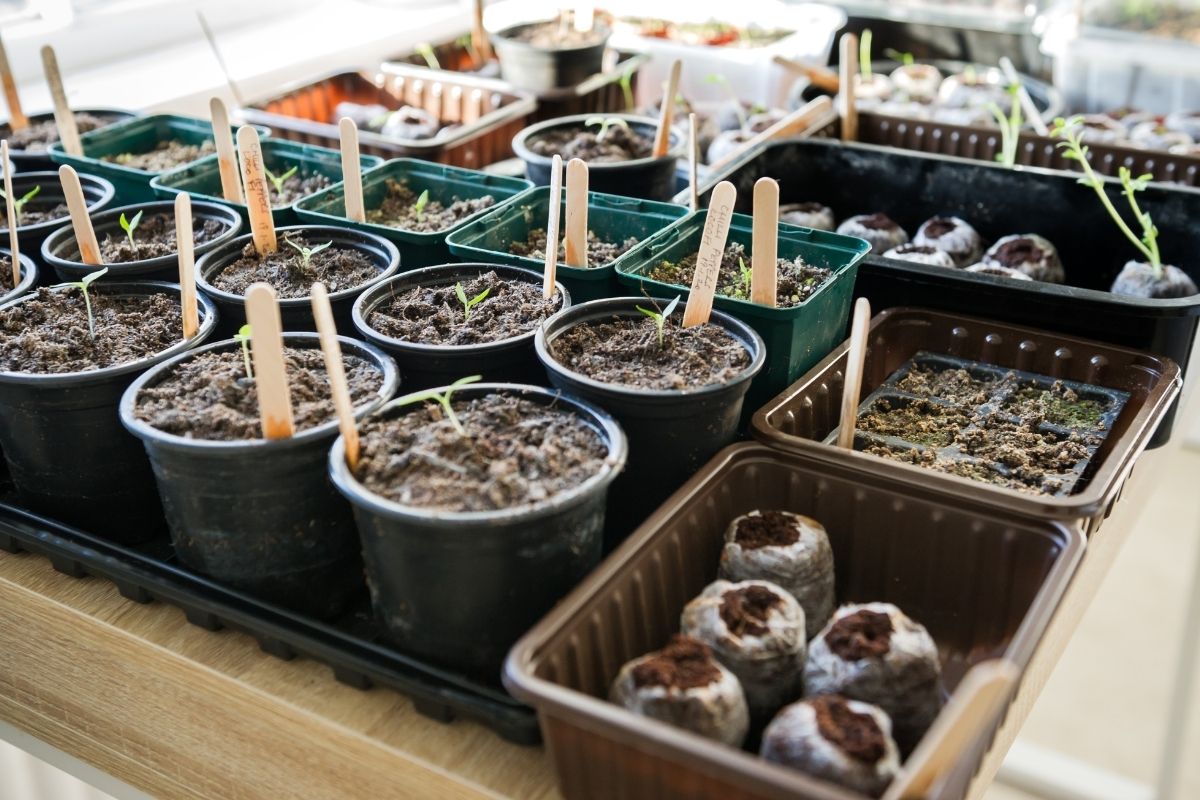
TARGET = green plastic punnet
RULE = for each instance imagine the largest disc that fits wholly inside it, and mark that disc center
(797, 337)
(445, 184)
(202, 179)
(137, 135)
(612, 217)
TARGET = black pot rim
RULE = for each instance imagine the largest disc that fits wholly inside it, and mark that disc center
(624, 306)
(107, 189)
(46, 116)
(326, 430)
(208, 321)
(110, 218)
(675, 141)
(29, 276)
(506, 36)
(236, 244)
(450, 521)
(371, 298)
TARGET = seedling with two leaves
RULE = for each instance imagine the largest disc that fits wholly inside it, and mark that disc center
(278, 181)
(660, 318)
(306, 253)
(470, 303)
(441, 398)
(243, 338)
(19, 204)
(606, 124)
(83, 285)
(422, 201)
(129, 226)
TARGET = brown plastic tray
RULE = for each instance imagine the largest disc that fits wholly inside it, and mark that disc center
(489, 113)
(807, 411)
(984, 583)
(983, 144)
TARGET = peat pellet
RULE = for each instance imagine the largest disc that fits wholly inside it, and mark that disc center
(953, 235)
(878, 229)
(1029, 254)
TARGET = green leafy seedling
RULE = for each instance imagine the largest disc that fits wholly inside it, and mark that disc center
(306, 253)
(605, 124)
(747, 276)
(83, 285)
(1074, 149)
(278, 182)
(626, 83)
(864, 55)
(243, 337)
(471, 303)
(441, 398)
(660, 319)
(1010, 126)
(422, 201)
(906, 59)
(19, 204)
(425, 51)
(129, 226)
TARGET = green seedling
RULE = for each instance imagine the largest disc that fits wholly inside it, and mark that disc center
(471, 303)
(721, 80)
(660, 319)
(278, 182)
(129, 226)
(605, 124)
(425, 51)
(1074, 149)
(747, 276)
(1010, 126)
(19, 205)
(422, 201)
(626, 83)
(83, 285)
(243, 337)
(906, 59)
(864, 55)
(306, 253)
(441, 398)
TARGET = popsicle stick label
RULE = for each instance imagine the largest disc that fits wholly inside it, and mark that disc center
(335, 369)
(85, 235)
(662, 138)
(577, 213)
(552, 227)
(16, 115)
(270, 374)
(187, 264)
(258, 199)
(852, 385)
(708, 259)
(351, 171)
(798, 124)
(10, 207)
(231, 182)
(848, 73)
(64, 120)
(764, 243)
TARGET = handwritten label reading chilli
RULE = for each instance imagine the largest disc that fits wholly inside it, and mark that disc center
(258, 201)
(708, 259)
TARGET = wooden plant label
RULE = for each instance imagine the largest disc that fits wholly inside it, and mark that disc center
(335, 368)
(258, 197)
(662, 138)
(708, 259)
(16, 116)
(797, 124)
(270, 374)
(68, 133)
(852, 385)
(552, 227)
(10, 207)
(351, 171)
(848, 74)
(187, 264)
(577, 213)
(231, 181)
(764, 245)
(85, 235)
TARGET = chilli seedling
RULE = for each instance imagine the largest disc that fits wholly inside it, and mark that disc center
(425, 51)
(306, 253)
(626, 83)
(660, 320)
(1074, 149)
(468, 304)
(129, 226)
(747, 278)
(19, 204)
(278, 181)
(864, 55)
(83, 285)
(606, 124)
(1010, 126)
(441, 398)
(906, 59)
(422, 201)
(243, 338)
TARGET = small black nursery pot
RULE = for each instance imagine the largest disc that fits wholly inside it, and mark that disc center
(29, 276)
(535, 67)
(212, 226)
(46, 212)
(260, 515)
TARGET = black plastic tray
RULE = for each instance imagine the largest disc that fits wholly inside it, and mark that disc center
(350, 645)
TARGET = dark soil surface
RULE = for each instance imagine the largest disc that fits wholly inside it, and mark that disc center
(767, 529)
(856, 735)
(399, 210)
(34, 214)
(599, 253)
(744, 611)
(1038, 459)
(620, 143)
(339, 268)
(164, 156)
(47, 334)
(39, 136)
(296, 187)
(515, 453)
(552, 36)
(954, 385)
(795, 281)
(916, 421)
(211, 397)
(928, 459)
(154, 237)
(435, 314)
(863, 634)
(6, 281)
(685, 663)
(1058, 405)
(626, 352)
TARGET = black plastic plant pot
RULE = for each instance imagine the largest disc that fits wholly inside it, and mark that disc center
(98, 194)
(648, 178)
(60, 251)
(31, 159)
(672, 433)
(543, 69)
(29, 276)
(67, 453)
(296, 312)
(261, 516)
(459, 588)
(426, 365)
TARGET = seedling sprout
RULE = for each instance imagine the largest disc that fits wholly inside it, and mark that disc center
(660, 320)
(605, 123)
(747, 275)
(1010, 126)
(1074, 149)
(306, 253)
(129, 226)
(441, 398)
(243, 337)
(278, 182)
(422, 201)
(83, 286)
(425, 51)
(864, 55)
(471, 303)
(626, 83)
(19, 205)
(906, 59)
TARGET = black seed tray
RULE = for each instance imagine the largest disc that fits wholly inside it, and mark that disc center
(351, 645)
(1005, 384)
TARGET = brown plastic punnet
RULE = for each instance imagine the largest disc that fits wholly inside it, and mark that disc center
(807, 411)
(985, 583)
(489, 113)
